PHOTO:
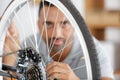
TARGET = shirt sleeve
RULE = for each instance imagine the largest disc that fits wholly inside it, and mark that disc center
(105, 64)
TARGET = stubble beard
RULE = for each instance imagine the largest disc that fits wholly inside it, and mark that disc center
(57, 48)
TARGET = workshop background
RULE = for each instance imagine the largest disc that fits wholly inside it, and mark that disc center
(103, 19)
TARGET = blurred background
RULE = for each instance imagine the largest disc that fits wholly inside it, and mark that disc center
(103, 20)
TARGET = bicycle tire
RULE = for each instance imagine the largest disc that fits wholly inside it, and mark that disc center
(87, 36)
(84, 29)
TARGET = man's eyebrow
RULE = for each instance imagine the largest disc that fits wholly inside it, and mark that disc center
(48, 22)
(65, 21)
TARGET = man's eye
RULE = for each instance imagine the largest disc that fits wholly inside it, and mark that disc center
(65, 22)
(48, 25)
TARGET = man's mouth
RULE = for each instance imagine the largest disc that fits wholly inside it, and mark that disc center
(57, 41)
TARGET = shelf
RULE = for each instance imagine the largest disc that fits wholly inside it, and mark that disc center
(103, 19)
(98, 19)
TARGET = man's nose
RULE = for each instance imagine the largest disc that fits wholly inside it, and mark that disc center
(57, 31)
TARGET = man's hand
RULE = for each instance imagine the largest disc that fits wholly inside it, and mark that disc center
(60, 71)
(11, 44)
(11, 41)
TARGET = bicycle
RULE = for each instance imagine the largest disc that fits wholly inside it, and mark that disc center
(34, 63)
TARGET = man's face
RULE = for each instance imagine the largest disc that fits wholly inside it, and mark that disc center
(56, 28)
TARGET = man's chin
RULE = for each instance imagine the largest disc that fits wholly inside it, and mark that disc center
(57, 49)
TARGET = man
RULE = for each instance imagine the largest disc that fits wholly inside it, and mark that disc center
(62, 29)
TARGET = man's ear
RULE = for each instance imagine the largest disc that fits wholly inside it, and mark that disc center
(38, 24)
(0, 18)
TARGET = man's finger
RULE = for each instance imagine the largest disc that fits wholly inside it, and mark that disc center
(12, 29)
(57, 76)
(56, 69)
(53, 64)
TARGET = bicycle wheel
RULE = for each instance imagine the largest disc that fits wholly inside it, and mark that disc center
(44, 43)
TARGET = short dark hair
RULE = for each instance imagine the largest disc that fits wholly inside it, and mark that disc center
(44, 3)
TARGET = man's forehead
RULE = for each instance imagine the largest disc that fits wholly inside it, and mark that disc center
(51, 12)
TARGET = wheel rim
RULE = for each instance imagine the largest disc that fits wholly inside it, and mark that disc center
(73, 22)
